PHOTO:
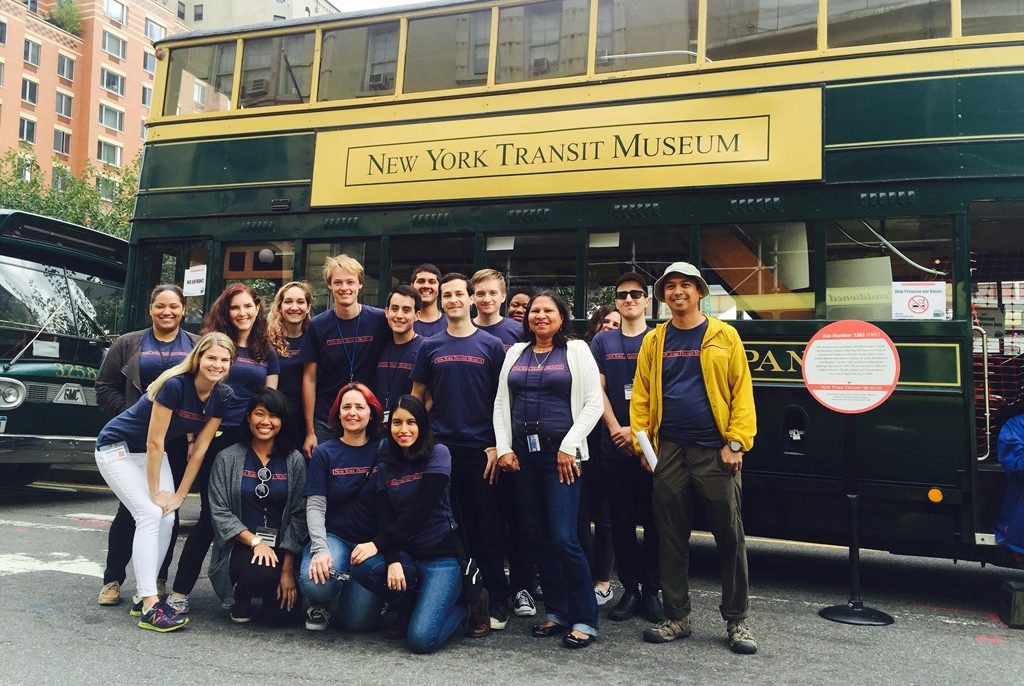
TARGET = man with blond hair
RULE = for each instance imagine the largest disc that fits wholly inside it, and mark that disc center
(488, 291)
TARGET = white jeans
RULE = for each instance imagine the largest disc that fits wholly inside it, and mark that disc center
(127, 479)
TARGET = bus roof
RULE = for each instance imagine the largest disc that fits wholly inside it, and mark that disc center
(55, 233)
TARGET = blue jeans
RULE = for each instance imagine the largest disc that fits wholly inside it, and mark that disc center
(552, 510)
(358, 609)
(437, 583)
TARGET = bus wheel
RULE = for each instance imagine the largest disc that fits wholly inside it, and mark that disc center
(21, 474)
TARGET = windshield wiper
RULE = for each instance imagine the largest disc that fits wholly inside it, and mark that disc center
(56, 309)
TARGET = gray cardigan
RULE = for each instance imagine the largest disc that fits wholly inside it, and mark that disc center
(225, 492)
(119, 384)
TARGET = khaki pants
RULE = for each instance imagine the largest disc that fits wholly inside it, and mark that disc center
(686, 473)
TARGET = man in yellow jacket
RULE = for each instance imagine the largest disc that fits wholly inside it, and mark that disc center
(693, 396)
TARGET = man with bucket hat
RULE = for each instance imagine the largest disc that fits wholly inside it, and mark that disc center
(693, 396)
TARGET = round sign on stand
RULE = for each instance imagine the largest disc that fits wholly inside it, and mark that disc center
(852, 367)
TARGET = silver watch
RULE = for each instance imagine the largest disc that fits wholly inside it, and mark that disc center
(256, 540)
(735, 446)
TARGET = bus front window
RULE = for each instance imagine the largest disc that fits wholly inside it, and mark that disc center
(32, 296)
(199, 79)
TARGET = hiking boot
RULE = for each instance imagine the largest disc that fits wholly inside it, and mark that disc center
(523, 605)
(668, 630)
(480, 617)
(741, 639)
(317, 618)
(162, 617)
(110, 594)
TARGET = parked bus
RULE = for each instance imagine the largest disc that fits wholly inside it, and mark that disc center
(61, 294)
(819, 159)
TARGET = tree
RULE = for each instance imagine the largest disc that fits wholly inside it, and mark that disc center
(68, 16)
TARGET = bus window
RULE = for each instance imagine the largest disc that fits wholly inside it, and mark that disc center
(737, 28)
(447, 52)
(447, 253)
(638, 34)
(542, 41)
(264, 266)
(984, 16)
(368, 254)
(867, 22)
(276, 71)
(759, 271)
(358, 62)
(539, 260)
(97, 304)
(645, 251)
(885, 269)
(30, 292)
(199, 79)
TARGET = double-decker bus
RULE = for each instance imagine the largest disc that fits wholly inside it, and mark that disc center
(61, 295)
(818, 159)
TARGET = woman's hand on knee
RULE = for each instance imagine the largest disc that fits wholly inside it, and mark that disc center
(363, 552)
(264, 555)
(320, 568)
(396, 577)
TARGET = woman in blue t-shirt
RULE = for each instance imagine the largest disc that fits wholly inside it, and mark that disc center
(340, 512)
(237, 313)
(188, 398)
(414, 556)
(287, 322)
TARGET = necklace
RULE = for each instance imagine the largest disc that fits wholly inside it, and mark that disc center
(537, 362)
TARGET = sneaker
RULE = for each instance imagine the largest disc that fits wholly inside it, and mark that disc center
(741, 640)
(136, 608)
(110, 594)
(317, 618)
(523, 605)
(603, 596)
(241, 611)
(499, 615)
(162, 617)
(668, 630)
(179, 605)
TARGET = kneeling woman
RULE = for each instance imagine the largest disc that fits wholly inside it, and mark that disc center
(187, 398)
(415, 555)
(340, 512)
(259, 515)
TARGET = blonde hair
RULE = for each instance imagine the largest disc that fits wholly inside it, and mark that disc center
(487, 275)
(190, 365)
(345, 264)
(275, 324)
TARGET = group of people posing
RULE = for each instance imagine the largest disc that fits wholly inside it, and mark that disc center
(383, 468)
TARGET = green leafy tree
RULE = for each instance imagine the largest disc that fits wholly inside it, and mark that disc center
(68, 16)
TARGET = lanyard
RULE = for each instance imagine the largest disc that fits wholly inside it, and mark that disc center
(540, 382)
(350, 355)
(390, 384)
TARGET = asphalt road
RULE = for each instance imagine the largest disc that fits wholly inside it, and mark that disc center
(52, 546)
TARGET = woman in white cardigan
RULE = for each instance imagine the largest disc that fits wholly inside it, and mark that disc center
(549, 399)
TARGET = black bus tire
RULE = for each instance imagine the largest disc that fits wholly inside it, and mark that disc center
(21, 474)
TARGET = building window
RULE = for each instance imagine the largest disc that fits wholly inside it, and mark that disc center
(61, 177)
(32, 5)
(115, 45)
(199, 95)
(29, 92)
(27, 130)
(32, 52)
(142, 130)
(107, 188)
(62, 142)
(111, 118)
(3, 33)
(108, 153)
(278, 17)
(65, 67)
(26, 164)
(116, 11)
(149, 62)
(154, 31)
(1, 74)
(197, 13)
(111, 81)
(181, 10)
(147, 96)
(64, 103)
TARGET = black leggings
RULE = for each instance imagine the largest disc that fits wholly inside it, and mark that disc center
(260, 581)
(596, 543)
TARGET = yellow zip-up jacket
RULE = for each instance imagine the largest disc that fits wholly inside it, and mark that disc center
(726, 377)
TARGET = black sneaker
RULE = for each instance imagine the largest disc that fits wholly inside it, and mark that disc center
(241, 611)
(651, 609)
(499, 614)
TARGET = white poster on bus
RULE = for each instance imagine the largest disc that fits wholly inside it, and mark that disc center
(918, 300)
(195, 280)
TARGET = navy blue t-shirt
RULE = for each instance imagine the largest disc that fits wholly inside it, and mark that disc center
(335, 471)
(616, 354)
(428, 329)
(401, 480)
(462, 376)
(541, 388)
(686, 417)
(345, 350)
(393, 370)
(246, 378)
(254, 508)
(290, 365)
(156, 357)
(188, 414)
(507, 331)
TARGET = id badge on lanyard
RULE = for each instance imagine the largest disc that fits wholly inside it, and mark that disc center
(268, 535)
(627, 391)
(112, 453)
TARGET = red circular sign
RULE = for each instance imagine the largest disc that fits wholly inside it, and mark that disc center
(851, 366)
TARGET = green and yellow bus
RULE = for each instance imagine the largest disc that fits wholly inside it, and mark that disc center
(61, 295)
(819, 159)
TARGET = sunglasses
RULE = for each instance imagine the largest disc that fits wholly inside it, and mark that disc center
(635, 294)
(262, 490)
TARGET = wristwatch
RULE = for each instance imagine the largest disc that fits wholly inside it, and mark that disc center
(256, 540)
(735, 446)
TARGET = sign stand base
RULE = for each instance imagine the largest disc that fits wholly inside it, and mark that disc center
(855, 613)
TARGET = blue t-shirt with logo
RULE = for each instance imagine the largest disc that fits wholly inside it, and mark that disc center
(247, 377)
(394, 369)
(188, 414)
(541, 388)
(401, 481)
(616, 354)
(268, 511)
(156, 357)
(345, 350)
(335, 471)
(686, 417)
(508, 331)
(428, 329)
(462, 376)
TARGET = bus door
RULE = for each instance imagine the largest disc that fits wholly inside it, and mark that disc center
(171, 262)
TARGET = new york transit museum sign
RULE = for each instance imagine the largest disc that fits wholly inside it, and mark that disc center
(742, 139)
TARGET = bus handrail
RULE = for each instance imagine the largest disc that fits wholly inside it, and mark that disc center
(988, 409)
(42, 328)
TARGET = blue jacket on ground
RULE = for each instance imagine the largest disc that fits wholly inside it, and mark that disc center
(1010, 525)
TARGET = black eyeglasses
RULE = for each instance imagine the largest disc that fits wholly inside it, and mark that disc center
(635, 294)
(262, 489)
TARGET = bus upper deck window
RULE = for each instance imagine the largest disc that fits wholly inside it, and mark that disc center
(451, 51)
(542, 41)
(199, 79)
(360, 61)
(983, 17)
(277, 70)
(640, 34)
(742, 29)
(868, 22)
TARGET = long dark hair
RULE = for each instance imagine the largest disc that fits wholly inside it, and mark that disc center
(423, 447)
(595, 322)
(219, 319)
(564, 332)
(376, 411)
(277, 405)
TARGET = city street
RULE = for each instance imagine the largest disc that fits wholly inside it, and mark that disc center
(52, 546)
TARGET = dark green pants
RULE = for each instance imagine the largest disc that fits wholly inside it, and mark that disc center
(688, 473)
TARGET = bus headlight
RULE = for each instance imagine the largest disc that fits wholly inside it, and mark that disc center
(12, 393)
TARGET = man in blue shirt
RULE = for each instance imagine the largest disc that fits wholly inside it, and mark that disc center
(396, 360)
(429, 320)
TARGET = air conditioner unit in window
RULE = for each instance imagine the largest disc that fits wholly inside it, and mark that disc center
(257, 87)
(541, 65)
(379, 81)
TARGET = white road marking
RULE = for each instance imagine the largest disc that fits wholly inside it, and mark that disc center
(50, 527)
(19, 563)
(89, 515)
